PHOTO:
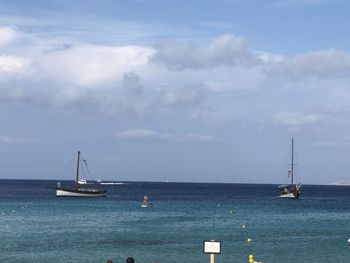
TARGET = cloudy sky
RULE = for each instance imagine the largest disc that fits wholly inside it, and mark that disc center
(160, 90)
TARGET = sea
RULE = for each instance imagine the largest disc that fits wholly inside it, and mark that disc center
(37, 226)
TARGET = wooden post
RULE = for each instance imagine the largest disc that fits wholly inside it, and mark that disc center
(212, 258)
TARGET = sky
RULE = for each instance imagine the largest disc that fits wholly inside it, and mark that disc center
(178, 91)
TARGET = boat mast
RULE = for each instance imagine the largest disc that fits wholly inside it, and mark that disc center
(292, 168)
(77, 177)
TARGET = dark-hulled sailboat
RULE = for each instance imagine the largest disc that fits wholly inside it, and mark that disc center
(81, 189)
(290, 190)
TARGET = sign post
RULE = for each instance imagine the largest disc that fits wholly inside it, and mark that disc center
(212, 258)
(211, 247)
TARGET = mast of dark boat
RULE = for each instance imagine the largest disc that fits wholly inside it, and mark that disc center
(292, 168)
(77, 177)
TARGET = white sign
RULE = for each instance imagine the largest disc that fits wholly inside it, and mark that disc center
(211, 247)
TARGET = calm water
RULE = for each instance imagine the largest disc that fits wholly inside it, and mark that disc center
(36, 226)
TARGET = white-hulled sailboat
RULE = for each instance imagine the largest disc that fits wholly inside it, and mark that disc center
(81, 189)
(290, 190)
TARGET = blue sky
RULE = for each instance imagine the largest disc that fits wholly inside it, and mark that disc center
(196, 91)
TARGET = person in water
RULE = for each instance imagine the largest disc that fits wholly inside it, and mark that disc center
(145, 200)
(130, 260)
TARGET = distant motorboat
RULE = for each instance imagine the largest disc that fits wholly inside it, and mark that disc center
(291, 190)
(111, 183)
(88, 190)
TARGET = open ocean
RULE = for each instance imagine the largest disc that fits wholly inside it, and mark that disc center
(37, 226)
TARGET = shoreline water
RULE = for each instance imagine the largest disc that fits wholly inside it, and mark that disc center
(75, 230)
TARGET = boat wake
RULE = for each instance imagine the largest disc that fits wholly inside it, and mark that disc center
(112, 183)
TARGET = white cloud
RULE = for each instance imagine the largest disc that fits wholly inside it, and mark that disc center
(12, 140)
(137, 134)
(131, 83)
(91, 65)
(226, 50)
(70, 95)
(268, 58)
(7, 35)
(128, 96)
(296, 119)
(140, 80)
(320, 64)
(188, 95)
(10, 64)
(330, 144)
(153, 135)
(64, 74)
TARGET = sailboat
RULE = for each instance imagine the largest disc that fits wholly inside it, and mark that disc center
(290, 190)
(81, 187)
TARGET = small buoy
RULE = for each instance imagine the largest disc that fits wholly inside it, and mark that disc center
(243, 226)
(349, 240)
(231, 211)
(218, 205)
(249, 240)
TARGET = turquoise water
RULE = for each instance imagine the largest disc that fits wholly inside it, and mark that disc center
(36, 226)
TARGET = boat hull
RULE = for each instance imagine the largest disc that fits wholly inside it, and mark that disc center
(289, 191)
(80, 193)
(289, 195)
